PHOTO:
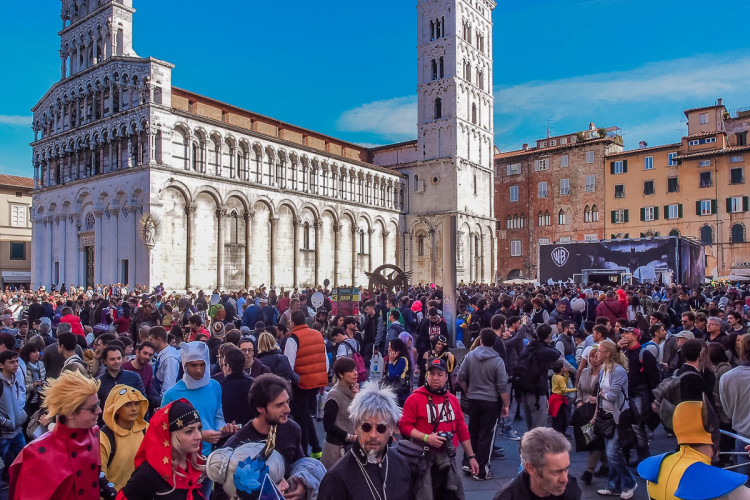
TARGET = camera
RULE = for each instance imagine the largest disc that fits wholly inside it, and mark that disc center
(448, 447)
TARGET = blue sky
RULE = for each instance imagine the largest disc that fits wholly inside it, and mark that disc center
(348, 68)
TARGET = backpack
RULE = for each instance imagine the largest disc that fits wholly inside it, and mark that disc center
(643, 346)
(667, 397)
(359, 361)
(526, 374)
(217, 312)
(112, 442)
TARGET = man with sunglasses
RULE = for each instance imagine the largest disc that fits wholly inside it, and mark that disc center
(432, 416)
(371, 470)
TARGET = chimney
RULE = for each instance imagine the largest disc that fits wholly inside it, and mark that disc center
(642, 145)
(525, 147)
(720, 102)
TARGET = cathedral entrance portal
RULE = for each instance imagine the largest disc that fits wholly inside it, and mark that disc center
(88, 255)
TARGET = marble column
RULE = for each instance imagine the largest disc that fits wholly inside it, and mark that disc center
(370, 232)
(272, 245)
(189, 216)
(354, 254)
(98, 237)
(63, 250)
(47, 280)
(336, 250)
(115, 213)
(316, 277)
(248, 216)
(296, 228)
(220, 214)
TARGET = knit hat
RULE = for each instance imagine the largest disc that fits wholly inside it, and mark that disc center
(182, 414)
(688, 424)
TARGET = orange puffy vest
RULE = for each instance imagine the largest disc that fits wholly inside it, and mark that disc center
(310, 363)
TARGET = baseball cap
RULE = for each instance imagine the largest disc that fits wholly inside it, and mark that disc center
(684, 334)
(437, 363)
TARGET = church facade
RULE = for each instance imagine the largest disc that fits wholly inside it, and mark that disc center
(138, 181)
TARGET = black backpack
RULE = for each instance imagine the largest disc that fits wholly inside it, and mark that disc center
(112, 442)
(526, 374)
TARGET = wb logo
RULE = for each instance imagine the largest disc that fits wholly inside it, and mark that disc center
(560, 256)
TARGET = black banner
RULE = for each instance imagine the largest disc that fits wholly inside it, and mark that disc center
(644, 259)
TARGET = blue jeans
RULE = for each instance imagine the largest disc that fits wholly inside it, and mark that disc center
(620, 477)
(10, 448)
(742, 459)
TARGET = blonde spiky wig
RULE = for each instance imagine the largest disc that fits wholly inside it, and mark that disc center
(65, 394)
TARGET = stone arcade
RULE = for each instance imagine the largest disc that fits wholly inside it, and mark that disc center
(137, 181)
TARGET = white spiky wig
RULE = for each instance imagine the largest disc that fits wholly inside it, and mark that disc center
(373, 400)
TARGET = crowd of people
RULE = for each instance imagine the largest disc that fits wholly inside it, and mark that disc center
(139, 394)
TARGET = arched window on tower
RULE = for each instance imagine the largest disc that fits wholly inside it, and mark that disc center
(306, 236)
(738, 233)
(362, 241)
(438, 108)
(420, 245)
(594, 214)
(509, 222)
(522, 221)
(442, 26)
(432, 30)
(467, 72)
(561, 217)
(587, 214)
(194, 162)
(707, 235)
(437, 28)
(442, 67)
(474, 114)
(475, 184)
(434, 69)
(480, 80)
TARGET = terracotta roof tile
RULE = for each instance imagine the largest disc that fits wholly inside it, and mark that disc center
(705, 134)
(16, 181)
(652, 148)
(713, 106)
(539, 151)
(713, 152)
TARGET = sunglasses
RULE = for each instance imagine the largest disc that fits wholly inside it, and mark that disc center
(367, 427)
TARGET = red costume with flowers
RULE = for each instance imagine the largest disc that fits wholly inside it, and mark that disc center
(153, 476)
(62, 464)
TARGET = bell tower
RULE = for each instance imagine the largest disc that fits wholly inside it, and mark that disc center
(94, 31)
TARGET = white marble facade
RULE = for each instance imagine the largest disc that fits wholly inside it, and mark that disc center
(233, 205)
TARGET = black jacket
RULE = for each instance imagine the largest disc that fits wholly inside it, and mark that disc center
(344, 481)
(234, 390)
(279, 365)
(518, 489)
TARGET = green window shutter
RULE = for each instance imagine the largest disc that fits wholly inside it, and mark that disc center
(697, 207)
(744, 203)
(656, 213)
(624, 166)
(714, 206)
(679, 210)
(643, 214)
(613, 216)
(666, 210)
(627, 215)
(611, 167)
(729, 205)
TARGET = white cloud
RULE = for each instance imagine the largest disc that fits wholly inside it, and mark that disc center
(392, 119)
(688, 78)
(15, 120)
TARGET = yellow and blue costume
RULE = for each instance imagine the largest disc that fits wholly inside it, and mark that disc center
(688, 474)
